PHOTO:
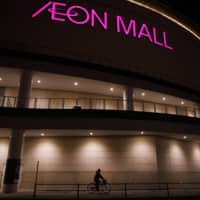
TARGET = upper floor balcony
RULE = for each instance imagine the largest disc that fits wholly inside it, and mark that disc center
(52, 91)
(103, 104)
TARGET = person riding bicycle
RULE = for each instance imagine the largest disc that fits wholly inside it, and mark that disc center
(97, 178)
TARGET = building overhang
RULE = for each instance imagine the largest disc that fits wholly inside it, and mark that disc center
(97, 120)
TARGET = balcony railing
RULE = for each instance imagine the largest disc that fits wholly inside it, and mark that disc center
(102, 104)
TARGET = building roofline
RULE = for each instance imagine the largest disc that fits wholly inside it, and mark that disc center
(171, 14)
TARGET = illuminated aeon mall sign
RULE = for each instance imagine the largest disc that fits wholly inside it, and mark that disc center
(60, 12)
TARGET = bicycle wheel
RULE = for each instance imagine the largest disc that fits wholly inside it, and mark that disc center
(106, 188)
(91, 188)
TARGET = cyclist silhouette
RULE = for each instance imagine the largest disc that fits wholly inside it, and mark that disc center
(97, 178)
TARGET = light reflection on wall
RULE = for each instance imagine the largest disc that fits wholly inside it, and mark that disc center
(142, 153)
(3, 149)
(177, 157)
(48, 153)
(142, 147)
(3, 152)
(196, 157)
(92, 154)
(92, 145)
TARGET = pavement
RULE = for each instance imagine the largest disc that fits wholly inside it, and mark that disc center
(136, 195)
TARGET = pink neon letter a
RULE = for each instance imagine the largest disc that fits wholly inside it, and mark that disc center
(147, 34)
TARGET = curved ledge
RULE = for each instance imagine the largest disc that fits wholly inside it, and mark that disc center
(91, 70)
(96, 119)
(166, 15)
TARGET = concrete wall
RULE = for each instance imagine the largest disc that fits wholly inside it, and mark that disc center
(122, 159)
(2, 91)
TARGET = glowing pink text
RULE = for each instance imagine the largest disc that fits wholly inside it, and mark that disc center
(79, 15)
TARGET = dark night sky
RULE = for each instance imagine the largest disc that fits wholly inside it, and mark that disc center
(189, 8)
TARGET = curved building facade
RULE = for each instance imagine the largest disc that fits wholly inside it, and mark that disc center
(97, 84)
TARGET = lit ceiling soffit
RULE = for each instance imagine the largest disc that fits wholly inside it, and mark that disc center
(166, 16)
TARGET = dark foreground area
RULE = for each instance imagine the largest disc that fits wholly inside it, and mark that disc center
(29, 196)
(50, 198)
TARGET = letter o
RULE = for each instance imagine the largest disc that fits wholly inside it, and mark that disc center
(69, 15)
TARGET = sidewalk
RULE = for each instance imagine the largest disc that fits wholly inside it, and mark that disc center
(25, 195)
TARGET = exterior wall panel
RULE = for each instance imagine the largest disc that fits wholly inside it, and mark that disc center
(122, 159)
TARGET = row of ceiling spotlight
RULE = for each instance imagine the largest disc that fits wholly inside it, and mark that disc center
(163, 98)
(76, 84)
(91, 134)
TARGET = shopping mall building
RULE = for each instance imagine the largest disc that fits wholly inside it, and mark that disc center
(97, 84)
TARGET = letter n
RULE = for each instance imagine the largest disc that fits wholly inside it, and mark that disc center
(103, 22)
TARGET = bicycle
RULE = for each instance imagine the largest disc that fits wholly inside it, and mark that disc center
(104, 187)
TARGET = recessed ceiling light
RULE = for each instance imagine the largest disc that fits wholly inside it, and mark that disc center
(1, 79)
(75, 83)
(142, 132)
(143, 94)
(185, 137)
(42, 134)
(38, 81)
(182, 102)
(111, 89)
(164, 98)
(91, 133)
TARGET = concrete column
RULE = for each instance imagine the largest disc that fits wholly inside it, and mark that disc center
(159, 159)
(24, 89)
(2, 94)
(13, 165)
(197, 111)
(128, 98)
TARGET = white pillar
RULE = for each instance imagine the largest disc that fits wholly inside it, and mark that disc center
(2, 94)
(128, 98)
(13, 165)
(197, 110)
